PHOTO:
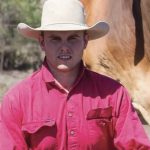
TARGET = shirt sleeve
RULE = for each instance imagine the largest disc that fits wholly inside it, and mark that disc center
(11, 136)
(129, 132)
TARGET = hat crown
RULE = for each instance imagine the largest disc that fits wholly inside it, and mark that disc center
(64, 15)
(62, 11)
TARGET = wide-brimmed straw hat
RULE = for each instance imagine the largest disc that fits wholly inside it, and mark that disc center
(63, 15)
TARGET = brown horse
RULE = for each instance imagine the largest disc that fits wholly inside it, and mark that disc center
(124, 53)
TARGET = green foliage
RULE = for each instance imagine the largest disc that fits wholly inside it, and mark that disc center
(13, 12)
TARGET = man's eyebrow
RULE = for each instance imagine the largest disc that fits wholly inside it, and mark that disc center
(74, 35)
(53, 36)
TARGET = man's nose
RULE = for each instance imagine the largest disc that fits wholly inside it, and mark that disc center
(65, 47)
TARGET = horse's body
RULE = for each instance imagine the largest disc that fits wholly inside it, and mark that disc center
(124, 53)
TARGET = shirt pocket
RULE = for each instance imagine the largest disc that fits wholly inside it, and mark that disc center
(40, 134)
(100, 126)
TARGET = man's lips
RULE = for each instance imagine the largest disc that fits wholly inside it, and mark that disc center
(64, 57)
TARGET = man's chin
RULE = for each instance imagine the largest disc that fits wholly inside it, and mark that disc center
(63, 68)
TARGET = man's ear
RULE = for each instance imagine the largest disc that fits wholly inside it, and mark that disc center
(41, 42)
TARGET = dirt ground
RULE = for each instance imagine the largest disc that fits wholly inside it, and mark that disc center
(9, 78)
(147, 129)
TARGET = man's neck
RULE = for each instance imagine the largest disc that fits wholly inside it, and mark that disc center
(65, 79)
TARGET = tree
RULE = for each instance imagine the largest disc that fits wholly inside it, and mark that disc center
(11, 13)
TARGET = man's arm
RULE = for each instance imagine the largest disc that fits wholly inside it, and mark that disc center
(11, 136)
(130, 134)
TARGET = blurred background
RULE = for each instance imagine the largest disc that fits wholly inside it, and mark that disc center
(18, 56)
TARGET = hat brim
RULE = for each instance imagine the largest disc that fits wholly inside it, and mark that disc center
(96, 31)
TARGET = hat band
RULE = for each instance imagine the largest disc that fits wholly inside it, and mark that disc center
(63, 26)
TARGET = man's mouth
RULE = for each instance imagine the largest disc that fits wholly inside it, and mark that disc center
(64, 57)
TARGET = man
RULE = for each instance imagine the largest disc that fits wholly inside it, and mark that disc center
(64, 106)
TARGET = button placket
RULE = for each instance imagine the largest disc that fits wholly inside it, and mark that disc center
(72, 123)
(72, 132)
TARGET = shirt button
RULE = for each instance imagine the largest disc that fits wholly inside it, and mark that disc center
(103, 123)
(72, 132)
(70, 114)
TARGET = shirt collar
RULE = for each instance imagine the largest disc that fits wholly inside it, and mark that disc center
(46, 74)
(80, 74)
(49, 78)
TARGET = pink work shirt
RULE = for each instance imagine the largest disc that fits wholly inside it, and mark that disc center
(96, 114)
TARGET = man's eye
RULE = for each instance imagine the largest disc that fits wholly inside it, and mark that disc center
(55, 39)
(73, 38)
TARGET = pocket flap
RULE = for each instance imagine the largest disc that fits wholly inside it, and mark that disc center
(33, 127)
(100, 113)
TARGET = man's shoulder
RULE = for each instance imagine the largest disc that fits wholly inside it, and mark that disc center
(25, 84)
(103, 83)
(101, 78)
(22, 92)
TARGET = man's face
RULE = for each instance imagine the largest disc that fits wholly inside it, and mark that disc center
(64, 50)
